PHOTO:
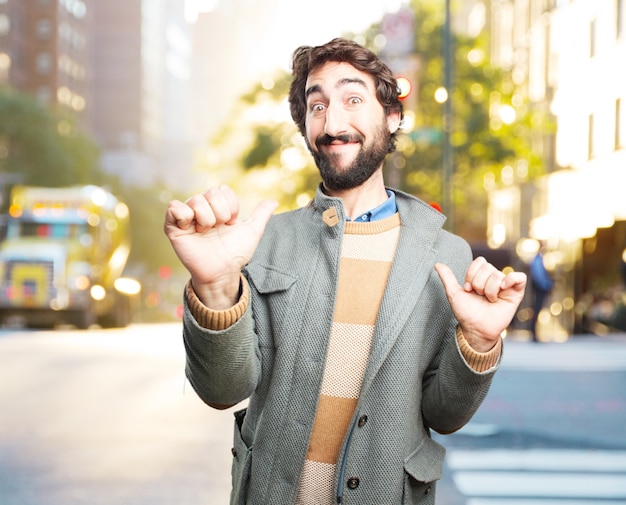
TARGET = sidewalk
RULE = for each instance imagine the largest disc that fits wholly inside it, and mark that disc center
(561, 338)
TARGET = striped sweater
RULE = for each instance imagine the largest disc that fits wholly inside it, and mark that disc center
(366, 257)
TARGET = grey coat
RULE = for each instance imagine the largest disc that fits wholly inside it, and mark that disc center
(416, 379)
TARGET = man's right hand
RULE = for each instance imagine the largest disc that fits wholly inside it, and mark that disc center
(213, 244)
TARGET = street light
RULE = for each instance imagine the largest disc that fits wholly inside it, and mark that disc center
(447, 122)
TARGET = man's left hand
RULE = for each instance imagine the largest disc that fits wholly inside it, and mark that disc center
(486, 303)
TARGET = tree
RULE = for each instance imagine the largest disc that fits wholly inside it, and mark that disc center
(43, 146)
(491, 131)
(492, 123)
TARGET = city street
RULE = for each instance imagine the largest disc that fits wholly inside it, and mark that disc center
(105, 417)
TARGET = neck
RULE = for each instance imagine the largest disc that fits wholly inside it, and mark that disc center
(365, 197)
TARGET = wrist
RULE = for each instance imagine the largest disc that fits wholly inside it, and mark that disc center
(479, 361)
(479, 342)
(218, 295)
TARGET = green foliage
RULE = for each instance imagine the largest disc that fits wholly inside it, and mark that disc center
(484, 146)
(150, 248)
(44, 147)
(266, 143)
(482, 143)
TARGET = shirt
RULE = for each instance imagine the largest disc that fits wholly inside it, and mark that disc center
(386, 209)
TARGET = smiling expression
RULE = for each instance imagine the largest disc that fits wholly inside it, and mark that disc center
(347, 130)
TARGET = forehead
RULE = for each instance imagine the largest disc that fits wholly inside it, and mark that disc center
(335, 76)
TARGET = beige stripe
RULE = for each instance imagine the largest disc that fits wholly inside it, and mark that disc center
(373, 227)
(380, 247)
(360, 290)
(316, 484)
(348, 352)
(331, 423)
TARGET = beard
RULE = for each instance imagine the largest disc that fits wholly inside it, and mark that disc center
(368, 160)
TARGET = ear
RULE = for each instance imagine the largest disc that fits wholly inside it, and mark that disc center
(393, 121)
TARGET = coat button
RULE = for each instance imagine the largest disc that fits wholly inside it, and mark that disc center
(362, 421)
(428, 490)
(353, 482)
(330, 217)
(234, 452)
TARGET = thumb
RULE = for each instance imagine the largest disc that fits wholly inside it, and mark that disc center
(261, 215)
(448, 279)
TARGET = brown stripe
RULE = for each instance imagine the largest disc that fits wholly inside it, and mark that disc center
(360, 290)
(331, 423)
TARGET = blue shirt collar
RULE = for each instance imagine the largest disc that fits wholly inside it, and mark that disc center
(386, 209)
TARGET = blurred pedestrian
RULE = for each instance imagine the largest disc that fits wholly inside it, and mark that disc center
(354, 325)
(623, 267)
(542, 285)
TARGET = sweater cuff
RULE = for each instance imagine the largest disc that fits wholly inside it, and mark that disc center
(217, 320)
(479, 361)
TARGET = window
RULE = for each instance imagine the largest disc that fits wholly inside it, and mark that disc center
(590, 146)
(43, 63)
(44, 29)
(618, 124)
(5, 24)
(592, 38)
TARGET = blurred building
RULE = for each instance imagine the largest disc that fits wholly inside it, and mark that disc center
(567, 57)
(45, 50)
(141, 80)
(123, 66)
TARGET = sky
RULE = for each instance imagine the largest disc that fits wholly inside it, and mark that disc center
(291, 25)
(358, 14)
(269, 32)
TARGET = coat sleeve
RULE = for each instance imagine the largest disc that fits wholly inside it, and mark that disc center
(452, 390)
(223, 366)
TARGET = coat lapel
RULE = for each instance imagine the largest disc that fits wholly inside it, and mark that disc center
(413, 266)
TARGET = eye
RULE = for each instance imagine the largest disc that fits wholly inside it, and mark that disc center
(355, 100)
(317, 109)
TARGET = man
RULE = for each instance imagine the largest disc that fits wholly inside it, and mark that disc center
(542, 286)
(333, 320)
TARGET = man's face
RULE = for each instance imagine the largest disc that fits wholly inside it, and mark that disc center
(347, 130)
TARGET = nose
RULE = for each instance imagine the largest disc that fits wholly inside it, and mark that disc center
(335, 122)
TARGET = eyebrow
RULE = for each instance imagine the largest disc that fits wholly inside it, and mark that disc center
(316, 88)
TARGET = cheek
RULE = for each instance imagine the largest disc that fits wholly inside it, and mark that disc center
(312, 131)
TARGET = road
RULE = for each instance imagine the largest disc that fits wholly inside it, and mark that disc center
(106, 417)
(550, 432)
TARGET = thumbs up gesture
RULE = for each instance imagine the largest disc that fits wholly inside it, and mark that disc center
(486, 303)
(213, 243)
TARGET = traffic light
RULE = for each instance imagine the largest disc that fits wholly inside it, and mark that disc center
(408, 97)
(404, 87)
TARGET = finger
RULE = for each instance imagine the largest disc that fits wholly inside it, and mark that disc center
(203, 213)
(179, 216)
(232, 201)
(481, 274)
(515, 280)
(493, 285)
(448, 279)
(472, 271)
(223, 203)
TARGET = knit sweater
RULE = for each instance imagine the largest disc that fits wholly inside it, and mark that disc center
(403, 443)
(366, 257)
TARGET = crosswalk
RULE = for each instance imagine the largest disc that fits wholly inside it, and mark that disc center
(539, 476)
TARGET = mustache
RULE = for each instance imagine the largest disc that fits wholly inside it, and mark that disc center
(326, 140)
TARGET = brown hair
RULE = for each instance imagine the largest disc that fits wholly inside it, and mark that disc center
(307, 58)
